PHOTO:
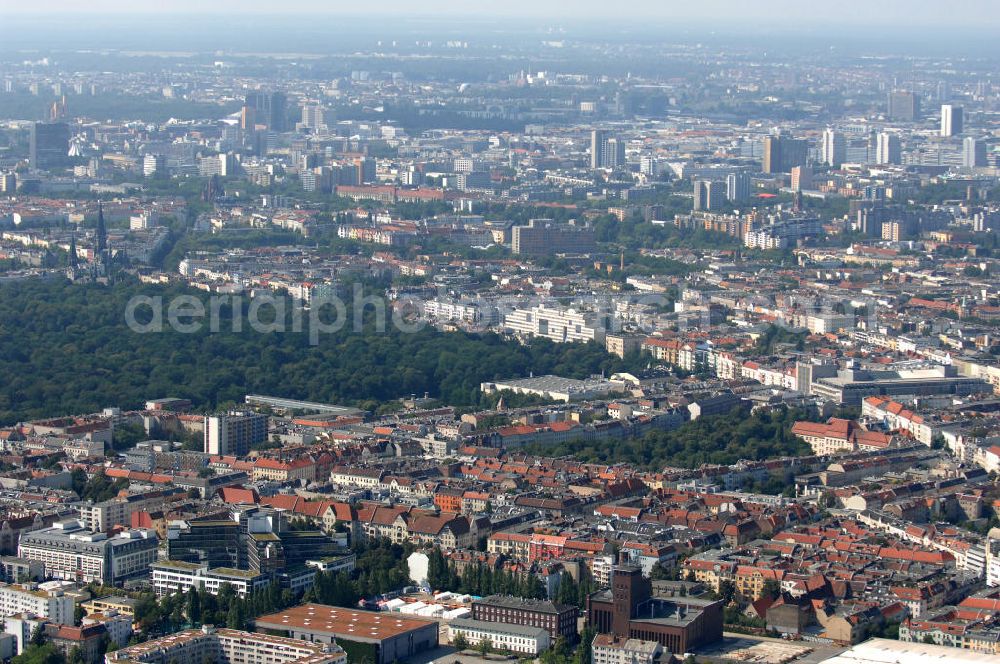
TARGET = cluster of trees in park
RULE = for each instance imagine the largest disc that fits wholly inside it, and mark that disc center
(198, 607)
(736, 619)
(637, 263)
(480, 579)
(573, 592)
(635, 233)
(632, 233)
(67, 349)
(562, 653)
(381, 568)
(721, 439)
(258, 237)
(97, 488)
(775, 335)
(11, 265)
(126, 436)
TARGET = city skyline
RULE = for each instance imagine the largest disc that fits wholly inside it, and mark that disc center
(922, 13)
(417, 333)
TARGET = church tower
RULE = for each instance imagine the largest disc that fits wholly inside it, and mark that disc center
(102, 234)
(73, 262)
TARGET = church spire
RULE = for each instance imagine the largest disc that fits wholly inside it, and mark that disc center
(102, 232)
(72, 251)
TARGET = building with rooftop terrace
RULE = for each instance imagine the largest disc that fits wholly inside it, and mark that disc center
(227, 646)
(172, 576)
(111, 603)
(73, 553)
(381, 638)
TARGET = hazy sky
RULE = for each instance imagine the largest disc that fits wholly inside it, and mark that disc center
(863, 13)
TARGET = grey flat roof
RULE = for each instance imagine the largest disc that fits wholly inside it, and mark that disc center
(497, 627)
(513, 602)
(550, 383)
(281, 402)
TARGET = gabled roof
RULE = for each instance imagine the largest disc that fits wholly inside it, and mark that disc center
(238, 495)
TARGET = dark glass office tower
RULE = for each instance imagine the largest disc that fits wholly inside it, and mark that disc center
(49, 145)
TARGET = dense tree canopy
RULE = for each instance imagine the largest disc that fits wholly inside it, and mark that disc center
(97, 488)
(635, 233)
(480, 579)
(723, 439)
(66, 349)
(44, 654)
(775, 335)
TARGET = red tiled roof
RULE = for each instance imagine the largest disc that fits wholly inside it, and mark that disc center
(238, 495)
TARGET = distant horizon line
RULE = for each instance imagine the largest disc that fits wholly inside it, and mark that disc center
(640, 20)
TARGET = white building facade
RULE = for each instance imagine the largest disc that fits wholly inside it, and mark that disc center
(520, 639)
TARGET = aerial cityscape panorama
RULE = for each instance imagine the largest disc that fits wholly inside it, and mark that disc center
(528, 332)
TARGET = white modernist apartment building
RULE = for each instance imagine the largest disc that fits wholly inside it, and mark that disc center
(173, 576)
(51, 604)
(559, 325)
(442, 309)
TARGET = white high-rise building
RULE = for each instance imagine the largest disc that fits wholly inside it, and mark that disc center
(234, 433)
(153, 164)
(597, 139)
(218, 164)
(648, 165)
(887, 149)
(951, 120)
(973, 153)
(614, 153)
(834, 151)
(312, 117)
(738, 187)
(606, 151)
